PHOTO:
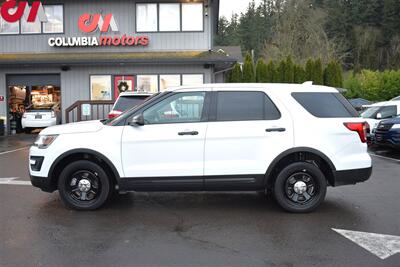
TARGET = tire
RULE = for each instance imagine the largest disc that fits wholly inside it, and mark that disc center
(84, 185)
(300, 187)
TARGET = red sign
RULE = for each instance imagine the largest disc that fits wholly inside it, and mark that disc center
(12, 16)
(89, 23)
(1, 98)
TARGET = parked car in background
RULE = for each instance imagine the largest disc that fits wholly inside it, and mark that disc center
(290, 140)
(380, 111)
(388, 133)
(396, 99)
(127, 100)
(41, 116)
(360, 103)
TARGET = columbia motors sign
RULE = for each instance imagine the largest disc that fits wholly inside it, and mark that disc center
(89, 24)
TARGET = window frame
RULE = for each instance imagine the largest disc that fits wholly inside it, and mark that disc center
(180, 18)
(214, 106)
(41, 25)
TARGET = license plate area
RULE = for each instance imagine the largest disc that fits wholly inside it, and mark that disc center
(38, 117)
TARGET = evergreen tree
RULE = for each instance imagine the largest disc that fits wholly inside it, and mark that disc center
(309, 69)
(236, 74)
(281, 72)
(339, 74)
(318, 73)
(248, 70)
(261, 71)
(271, 72)
(299, 74)
(330, 78)
(289, 70)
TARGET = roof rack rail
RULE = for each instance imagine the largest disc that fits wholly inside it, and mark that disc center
(308, 83)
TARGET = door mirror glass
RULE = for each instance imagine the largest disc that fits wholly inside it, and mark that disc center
(137, 121)
(379, 116)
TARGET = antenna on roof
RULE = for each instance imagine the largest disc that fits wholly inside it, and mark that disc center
(308, 83)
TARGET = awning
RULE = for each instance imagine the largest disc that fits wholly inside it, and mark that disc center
(103, 58)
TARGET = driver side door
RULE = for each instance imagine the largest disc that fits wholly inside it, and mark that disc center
(169, 147)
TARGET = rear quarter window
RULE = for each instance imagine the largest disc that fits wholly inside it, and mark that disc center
(326, 105)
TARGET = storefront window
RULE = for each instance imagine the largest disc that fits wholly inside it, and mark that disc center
(55, 17)
(30, 27)
(167, 81)
(100, 87)
(146, 17)
(147, 83)
(170, 19)
(192, 16)
(9, 28)
(192, 79)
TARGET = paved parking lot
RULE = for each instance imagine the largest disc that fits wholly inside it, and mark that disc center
(199, 229)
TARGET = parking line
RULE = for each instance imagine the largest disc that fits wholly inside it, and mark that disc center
(383, 157)
(12, 181)
(12, 151)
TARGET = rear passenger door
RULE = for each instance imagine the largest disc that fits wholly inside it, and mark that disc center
(246, 132)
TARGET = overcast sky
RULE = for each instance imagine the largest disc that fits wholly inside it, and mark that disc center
(227, 7)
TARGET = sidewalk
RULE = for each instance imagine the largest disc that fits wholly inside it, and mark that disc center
(13, 142)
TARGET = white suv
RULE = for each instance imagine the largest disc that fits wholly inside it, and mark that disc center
(291, 140)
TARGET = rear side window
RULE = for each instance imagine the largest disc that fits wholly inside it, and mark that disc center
(127, 102)
(245, 106)
(326, 105)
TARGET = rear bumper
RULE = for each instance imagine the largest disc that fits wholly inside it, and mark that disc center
(29, 123)
(43, 183)
(349, 177)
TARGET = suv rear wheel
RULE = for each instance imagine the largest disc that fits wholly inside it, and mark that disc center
(300, 187)
(83, 185)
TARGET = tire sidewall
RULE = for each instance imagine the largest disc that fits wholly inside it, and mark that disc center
(280, 192)
(88, 166)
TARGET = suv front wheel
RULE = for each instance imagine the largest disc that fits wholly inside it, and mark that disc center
(83, 185)
(300, 187)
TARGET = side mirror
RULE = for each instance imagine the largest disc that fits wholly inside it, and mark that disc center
(379, 116)
(137, 121)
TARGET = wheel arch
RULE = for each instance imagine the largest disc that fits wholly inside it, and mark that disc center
(299, 154)
(82, 154)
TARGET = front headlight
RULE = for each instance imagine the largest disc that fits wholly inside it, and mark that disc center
(44, 141)
(396, 126)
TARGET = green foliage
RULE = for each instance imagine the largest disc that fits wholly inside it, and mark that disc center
(289, 70)
(271, 75)
(280, 75)
(248, 70)
(235, 75)
(317, 75)
(309, 69)
(299, 74)
(373, 85)
(261, 71)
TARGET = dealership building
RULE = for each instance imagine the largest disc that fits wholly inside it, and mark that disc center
(76, 50)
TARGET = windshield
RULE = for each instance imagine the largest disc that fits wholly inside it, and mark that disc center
(370, 113)
(127, 102)
(384, 111)
(109, 121)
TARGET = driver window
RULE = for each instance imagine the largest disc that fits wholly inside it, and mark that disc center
(178, 108)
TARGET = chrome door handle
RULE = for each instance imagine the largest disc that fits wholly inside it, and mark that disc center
(188, 133)
(270, 130)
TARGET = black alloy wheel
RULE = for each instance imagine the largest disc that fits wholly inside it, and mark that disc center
(300, 187)
(84, 185)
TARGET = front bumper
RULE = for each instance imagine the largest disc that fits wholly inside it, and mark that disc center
(349, 177)
(43, 183)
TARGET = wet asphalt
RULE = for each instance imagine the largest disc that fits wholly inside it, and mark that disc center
(194, 229)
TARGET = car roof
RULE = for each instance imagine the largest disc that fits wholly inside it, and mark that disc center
(133, 94)
(276, 87)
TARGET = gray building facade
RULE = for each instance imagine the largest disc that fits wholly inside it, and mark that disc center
(91, 50)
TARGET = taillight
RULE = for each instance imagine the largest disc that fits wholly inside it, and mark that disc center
(53, 114)
(362, 128)
(24, 115)
(114, 113)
